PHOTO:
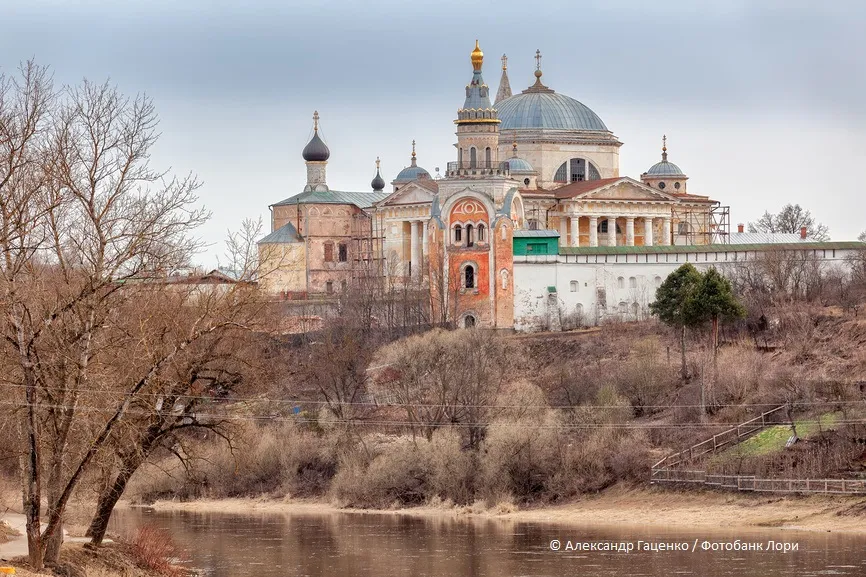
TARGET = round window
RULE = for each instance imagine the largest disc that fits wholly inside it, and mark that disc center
(661, 185)
(526, 181)
(677, 185)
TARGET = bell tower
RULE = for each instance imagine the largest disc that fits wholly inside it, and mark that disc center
(477, 128)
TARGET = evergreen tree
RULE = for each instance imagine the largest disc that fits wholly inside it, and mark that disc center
(714, 300)
(672, 305)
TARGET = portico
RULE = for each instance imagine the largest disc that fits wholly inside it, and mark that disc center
(613, 212)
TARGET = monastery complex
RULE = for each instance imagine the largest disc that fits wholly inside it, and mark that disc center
(532, 220)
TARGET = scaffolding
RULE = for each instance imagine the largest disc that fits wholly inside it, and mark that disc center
(700, 225)
(368, 247)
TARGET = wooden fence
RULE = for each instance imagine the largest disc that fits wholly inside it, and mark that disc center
(752, 483)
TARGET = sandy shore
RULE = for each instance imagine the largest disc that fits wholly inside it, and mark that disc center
(617, 507)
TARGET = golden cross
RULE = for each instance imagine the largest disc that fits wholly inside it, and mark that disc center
(315, 120)
(538, 59)
(413, 148)
(664, 142)
(377, 164)
(504, 62)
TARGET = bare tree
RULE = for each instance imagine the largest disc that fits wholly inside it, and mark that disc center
(442, 377)
(84, 217)
(188, 393)
(791, 219)
(241, 255)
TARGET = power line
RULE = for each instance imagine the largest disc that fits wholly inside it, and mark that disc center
(404, 423)
(296, 401)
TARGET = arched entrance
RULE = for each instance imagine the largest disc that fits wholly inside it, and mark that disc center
(469, 322)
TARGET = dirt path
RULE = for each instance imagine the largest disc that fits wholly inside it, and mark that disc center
(16, 546)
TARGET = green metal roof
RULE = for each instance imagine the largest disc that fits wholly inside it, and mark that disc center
(535, 234)
(592, 250)
(359, 199)
(285, 234)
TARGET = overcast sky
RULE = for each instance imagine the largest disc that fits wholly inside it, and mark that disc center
(763, 102)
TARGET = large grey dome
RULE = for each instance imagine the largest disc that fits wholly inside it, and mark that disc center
(539, 110)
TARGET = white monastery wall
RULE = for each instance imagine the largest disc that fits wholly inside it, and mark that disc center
(595, 288)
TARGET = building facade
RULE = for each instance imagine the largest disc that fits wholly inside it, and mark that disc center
(535, 185)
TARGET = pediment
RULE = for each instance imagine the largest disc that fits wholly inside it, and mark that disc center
(408, 194)
(626, 189)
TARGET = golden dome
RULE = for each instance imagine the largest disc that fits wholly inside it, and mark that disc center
(477, 57)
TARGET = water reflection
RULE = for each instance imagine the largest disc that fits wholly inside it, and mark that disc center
(286, 545)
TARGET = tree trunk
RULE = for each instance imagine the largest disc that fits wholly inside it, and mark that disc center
(684, 370)
(715, 338)
(53, 543)
(108, 499)
(31, 475)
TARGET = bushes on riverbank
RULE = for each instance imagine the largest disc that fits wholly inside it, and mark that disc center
(529, 453)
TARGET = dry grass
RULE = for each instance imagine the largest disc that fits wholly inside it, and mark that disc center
(109, 560)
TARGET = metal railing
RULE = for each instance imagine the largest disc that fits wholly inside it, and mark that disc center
(480, 168)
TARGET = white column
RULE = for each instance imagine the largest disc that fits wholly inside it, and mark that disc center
(666, 232)
(593, 231)
(629, 231)
(424, 243)
(575, 231)
(413, 248)
(648, 231)
(563, 230)
(611, 231)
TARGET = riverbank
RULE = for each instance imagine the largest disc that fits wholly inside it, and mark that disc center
(619, 507)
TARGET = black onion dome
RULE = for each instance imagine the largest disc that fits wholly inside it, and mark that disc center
(378, 182)
(316, 150)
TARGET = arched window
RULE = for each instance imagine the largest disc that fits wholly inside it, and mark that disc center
(632, 282)
(458, 234)
(344, 285)
(469, 277)
(635, 308)
(487, 158)
(620, 282)
(470, 240)
(658, 280)
(473, 157)
(576, 170)
(602, 227)
(329, 252)
(460, 158)
(574, 286)
(481, 232)
(342, 252)
(623, 308)
(504, 274)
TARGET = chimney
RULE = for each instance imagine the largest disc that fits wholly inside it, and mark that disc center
(802, 233)
(741, 227)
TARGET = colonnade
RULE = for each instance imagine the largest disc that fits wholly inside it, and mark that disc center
(571, 223)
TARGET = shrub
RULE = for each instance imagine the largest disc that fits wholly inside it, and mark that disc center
(153, 548)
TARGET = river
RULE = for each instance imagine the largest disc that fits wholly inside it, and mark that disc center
(369, 545)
